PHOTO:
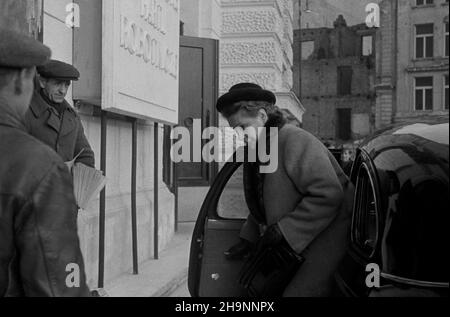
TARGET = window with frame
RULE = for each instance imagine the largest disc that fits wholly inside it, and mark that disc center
(424, 2)
(424, 93)
(446, 39)
(365, 226)
(367, 45)
(446, 92)
(345, 76)
(424, 40)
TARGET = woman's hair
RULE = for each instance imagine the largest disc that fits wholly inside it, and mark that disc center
(276, 116)
(251, 107)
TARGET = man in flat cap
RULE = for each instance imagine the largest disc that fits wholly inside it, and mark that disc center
(52, 120)
(38, 213)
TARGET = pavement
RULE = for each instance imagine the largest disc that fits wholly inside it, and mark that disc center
(181, 291)
(159, 278)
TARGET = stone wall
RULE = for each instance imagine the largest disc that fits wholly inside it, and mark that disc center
(317, 79)
(385, 48)
(118, 245)
(256, 46)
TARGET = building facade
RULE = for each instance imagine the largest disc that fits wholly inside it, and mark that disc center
(413, 65)
(256, 42)
(334, 78)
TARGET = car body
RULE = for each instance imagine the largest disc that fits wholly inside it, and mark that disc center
(400, 215)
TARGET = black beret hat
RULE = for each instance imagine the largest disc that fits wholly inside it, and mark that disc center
(20, 51)
(245, 92)
(58, 70)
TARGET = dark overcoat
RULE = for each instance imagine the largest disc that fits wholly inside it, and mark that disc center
(38, 218)
(63, 133)
(310, 198)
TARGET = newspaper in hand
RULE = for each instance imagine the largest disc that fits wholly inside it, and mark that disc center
(71, 163)
(87, 183)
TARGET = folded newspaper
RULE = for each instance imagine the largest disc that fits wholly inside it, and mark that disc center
(87, 182)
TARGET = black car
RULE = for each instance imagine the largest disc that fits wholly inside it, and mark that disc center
(399, 224)
(401, 215)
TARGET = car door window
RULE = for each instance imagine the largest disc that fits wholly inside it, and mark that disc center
(232, 203)
(365, 227)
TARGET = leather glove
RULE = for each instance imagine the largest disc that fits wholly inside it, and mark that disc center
(239, 251)
(271, 238)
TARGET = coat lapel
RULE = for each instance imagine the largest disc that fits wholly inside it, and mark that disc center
(39, 107)
(54, 121)
(68, 121)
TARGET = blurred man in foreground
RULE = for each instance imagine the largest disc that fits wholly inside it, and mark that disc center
(39, 246)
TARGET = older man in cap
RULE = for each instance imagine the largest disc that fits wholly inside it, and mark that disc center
(39, 247)
(52, 120)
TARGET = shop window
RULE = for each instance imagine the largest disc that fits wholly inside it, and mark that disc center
(367, 45)
(424, 93)
(307, 50)
(345, 75)
(425, 40)
(446, 92)
(365, 226)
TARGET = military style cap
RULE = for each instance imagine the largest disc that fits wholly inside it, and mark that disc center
(58, 70)
(21, 51)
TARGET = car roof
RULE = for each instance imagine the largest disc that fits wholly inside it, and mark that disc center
(433, 136)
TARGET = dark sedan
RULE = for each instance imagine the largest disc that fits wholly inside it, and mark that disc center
(400, 232)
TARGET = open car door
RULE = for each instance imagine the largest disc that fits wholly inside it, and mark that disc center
(222, 215)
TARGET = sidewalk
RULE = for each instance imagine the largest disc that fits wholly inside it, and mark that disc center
(158, 278)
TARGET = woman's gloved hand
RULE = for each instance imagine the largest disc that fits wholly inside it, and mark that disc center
(239, 251)
(271, 238)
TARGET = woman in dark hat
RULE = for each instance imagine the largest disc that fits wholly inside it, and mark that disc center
(306, 203)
